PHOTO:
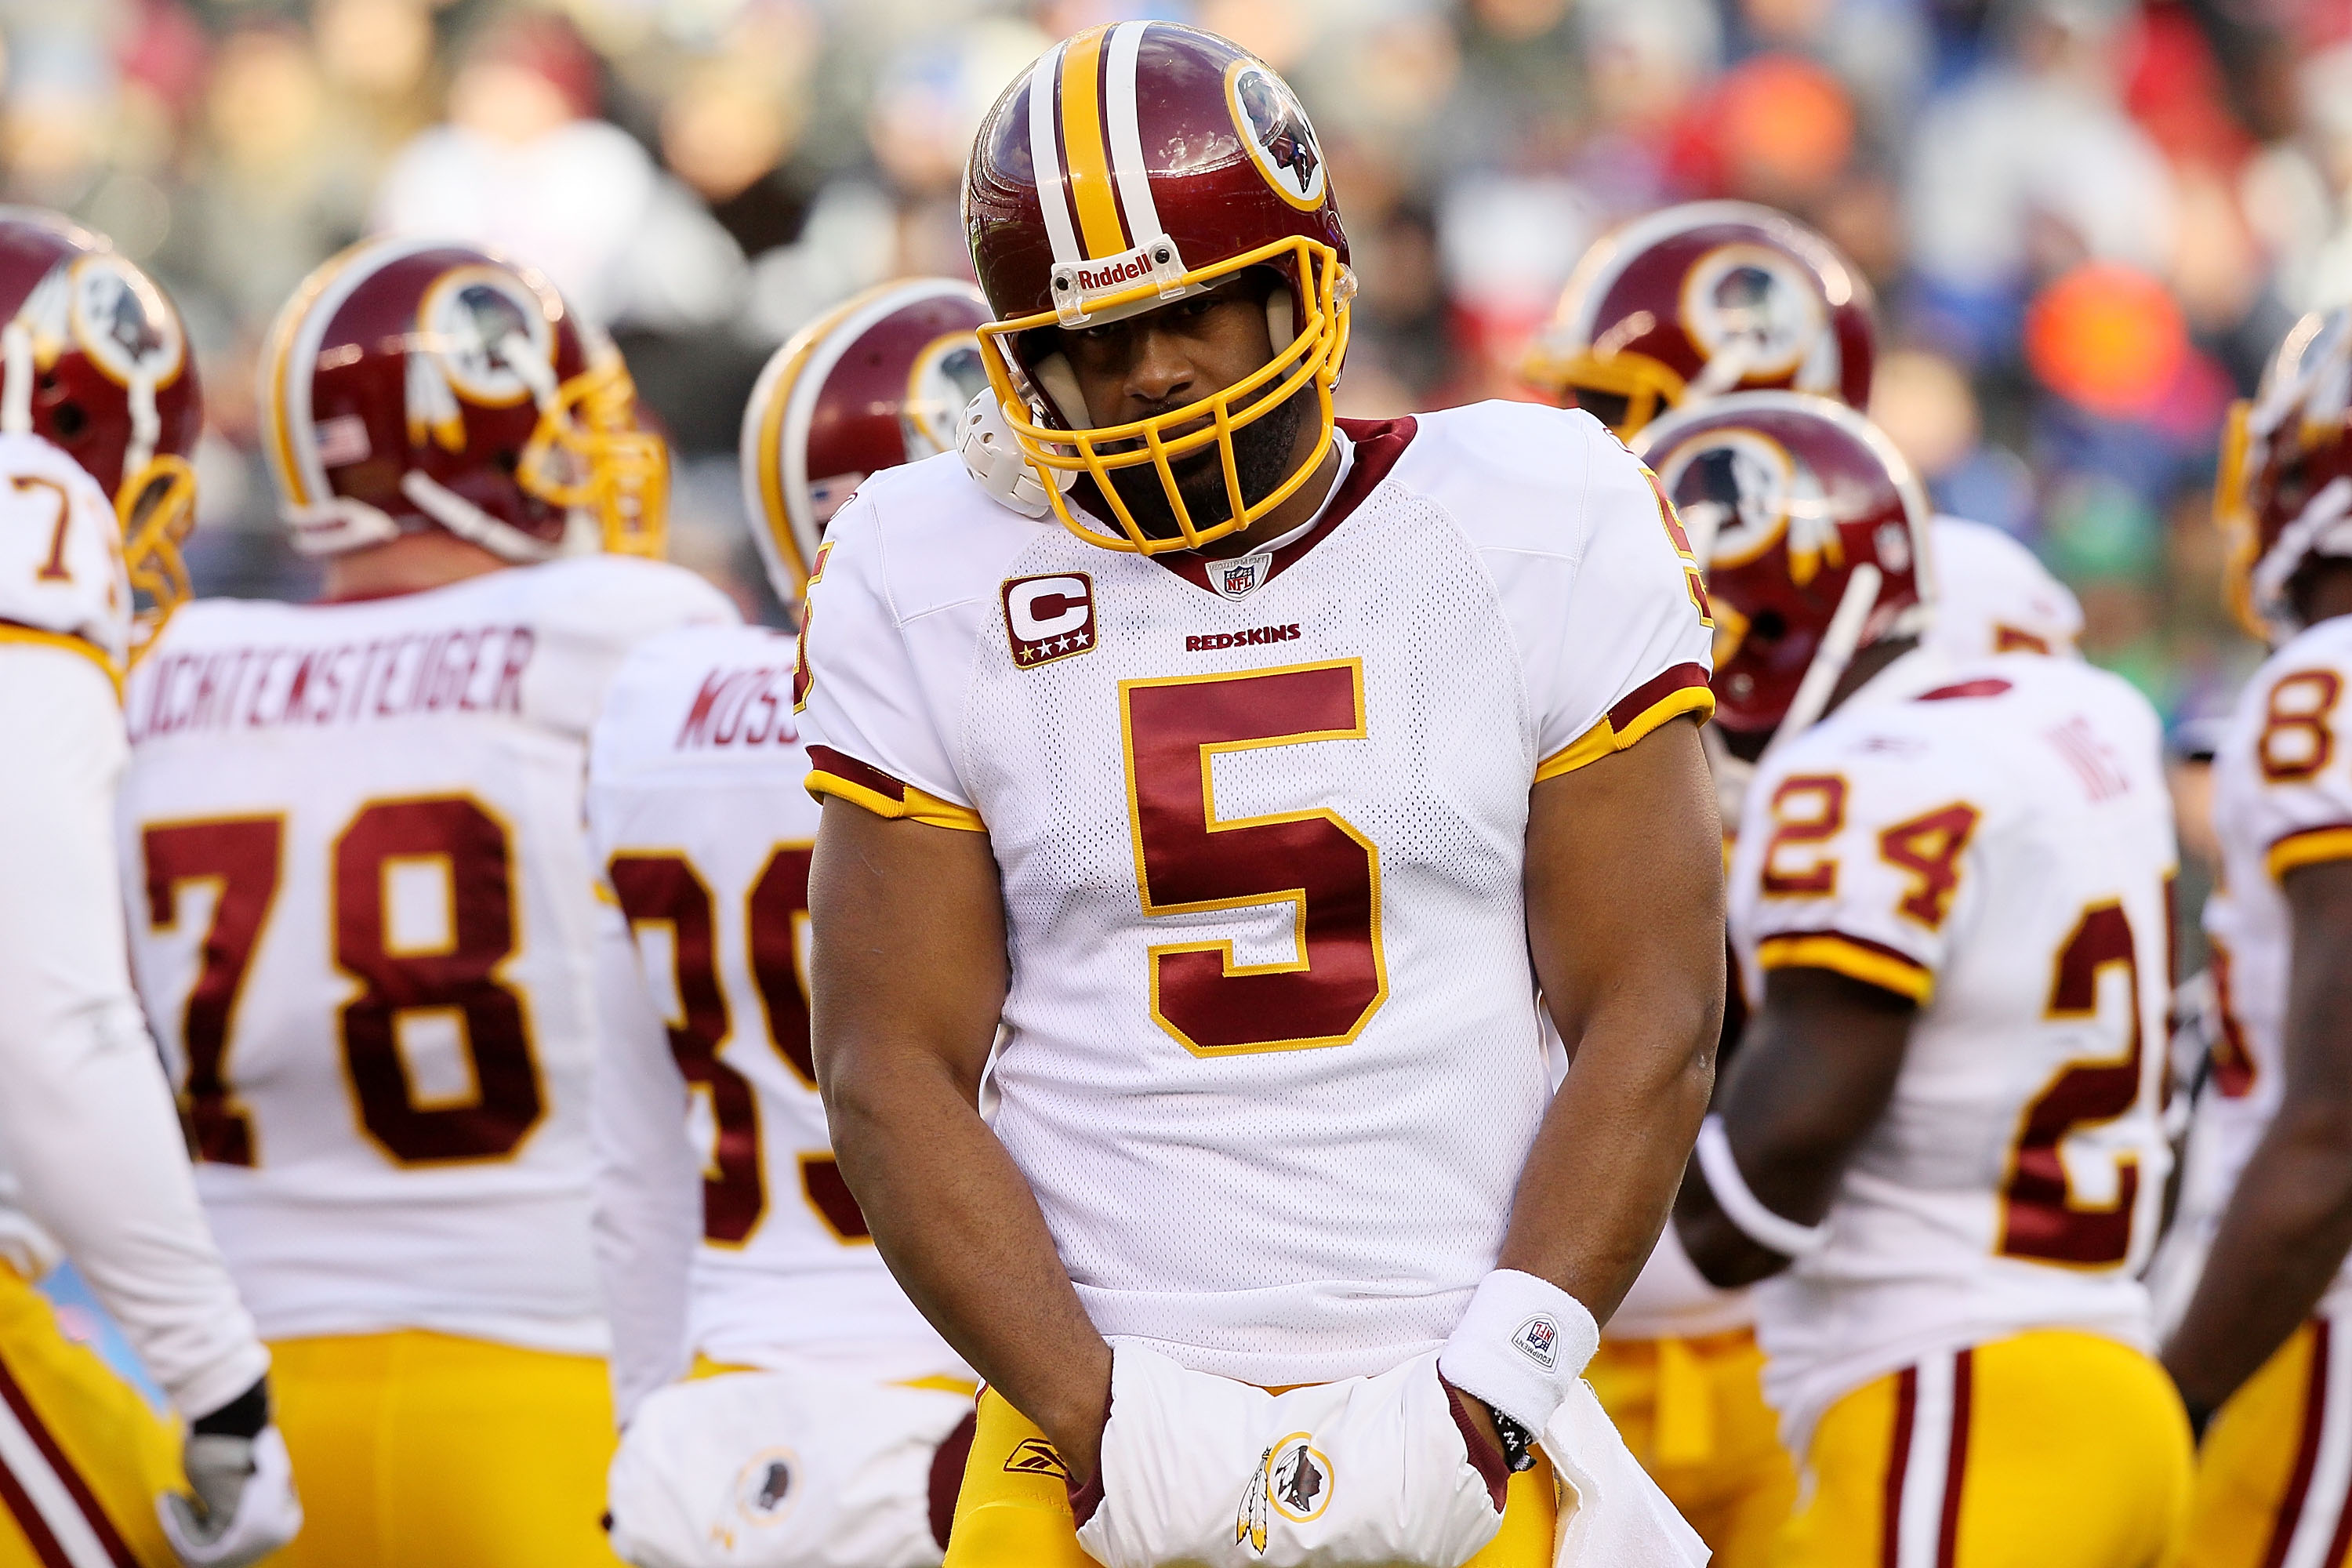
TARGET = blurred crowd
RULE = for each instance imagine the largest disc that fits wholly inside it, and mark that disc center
(2087, 220)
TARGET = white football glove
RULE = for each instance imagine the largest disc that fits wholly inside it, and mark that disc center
(240, 1506)
(812, 1467)
(1204, 1469)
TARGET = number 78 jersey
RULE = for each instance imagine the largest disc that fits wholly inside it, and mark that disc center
(361, 919)
(1270, 1062)
(1994, 842)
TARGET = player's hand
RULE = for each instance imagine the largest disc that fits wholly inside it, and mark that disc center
(1201, 1469)
(240, 1504)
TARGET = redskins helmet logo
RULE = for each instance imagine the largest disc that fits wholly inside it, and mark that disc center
(121, 322)
(1754, 303)
(1274, 131)
(479, 323)
(1739, 492)
(948, 374)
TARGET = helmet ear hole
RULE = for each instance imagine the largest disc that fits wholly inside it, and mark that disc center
(68, 421)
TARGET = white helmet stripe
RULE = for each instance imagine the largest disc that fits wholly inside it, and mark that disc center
(1045, 156)
(1125, 140)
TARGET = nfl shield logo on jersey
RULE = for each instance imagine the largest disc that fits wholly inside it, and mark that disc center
(1239, 579)
(1539, 1338)
(1049, 618)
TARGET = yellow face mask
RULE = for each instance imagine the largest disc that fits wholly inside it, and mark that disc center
(157, 509)
(589, 451)
(1648, 387)
(1311, 358)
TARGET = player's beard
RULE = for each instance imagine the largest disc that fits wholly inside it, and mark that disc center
(1262, 451)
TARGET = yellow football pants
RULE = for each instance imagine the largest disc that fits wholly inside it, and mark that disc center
(2274, 1477)
(1014, 1509)
(1692, 1411)
(2048, 1449)
(82, 1454)
(422, 1450)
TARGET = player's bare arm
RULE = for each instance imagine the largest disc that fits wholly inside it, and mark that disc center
(2290, 1221)
(1635, 987)
(1812, 1075)
(908, 976)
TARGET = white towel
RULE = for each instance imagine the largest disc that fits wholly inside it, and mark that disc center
(1612, 1514)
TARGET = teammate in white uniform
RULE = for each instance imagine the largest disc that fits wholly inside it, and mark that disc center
(1246, 837)
(2264, 1350)
(1993, 597)
(1938, 1143)
(362, 917)
(88, 1135)
(726, 1240)
(1673, 311)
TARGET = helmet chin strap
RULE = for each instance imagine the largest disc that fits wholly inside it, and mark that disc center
(1839, 644)
(16, 389)
(470, 522)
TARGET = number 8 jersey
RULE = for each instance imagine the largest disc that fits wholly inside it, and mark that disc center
(1270, 1059)
(362, 921)
(1992, 840)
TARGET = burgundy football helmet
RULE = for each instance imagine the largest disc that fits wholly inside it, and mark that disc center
(1699, 300)
(1814, 530)
(416, 383)
(2284, 491)
(94, 360)
(879, 381)
(1133, 165)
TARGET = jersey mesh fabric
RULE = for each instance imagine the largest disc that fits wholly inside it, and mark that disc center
(311, 717)
(698, 756)
(2262, 809)
(1503, 577)
(1915, 1261)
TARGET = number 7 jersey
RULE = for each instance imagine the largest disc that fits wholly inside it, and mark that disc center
(1992, 840)
(1270, 1059)
(361, 922)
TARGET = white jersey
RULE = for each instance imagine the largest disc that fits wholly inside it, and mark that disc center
(2282, 798)
(62, 579)
(364, 924)
(1270, 1056)
(1994, 840)
(88, 1135)
(723, 1225)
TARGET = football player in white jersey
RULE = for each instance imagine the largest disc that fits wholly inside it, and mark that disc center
(1938, 1144)
(362, 908)
(1672, 310)
(726, 1238)
(98, 412)
(2264, 1349)
(1251, 769)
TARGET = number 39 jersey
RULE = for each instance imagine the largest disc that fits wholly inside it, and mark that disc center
(1994, 841)
(723, 1225)
(361, 922)
(2282, 798)
(1270, 1059)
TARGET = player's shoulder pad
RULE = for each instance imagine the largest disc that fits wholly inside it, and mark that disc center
(619, 599)
(925, 536)
(2325, 645)
(674, 679)
(1524, 475)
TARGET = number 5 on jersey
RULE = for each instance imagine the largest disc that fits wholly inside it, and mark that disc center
(1189, 860)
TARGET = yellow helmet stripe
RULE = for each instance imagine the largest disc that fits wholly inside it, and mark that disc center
(1083, 145)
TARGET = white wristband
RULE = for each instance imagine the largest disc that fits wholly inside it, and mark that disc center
(1742, 1207)
(1520, 1347)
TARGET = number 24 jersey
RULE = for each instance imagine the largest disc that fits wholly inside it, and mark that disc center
(361, 922)
(1270, 1059)
(1994, 841)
